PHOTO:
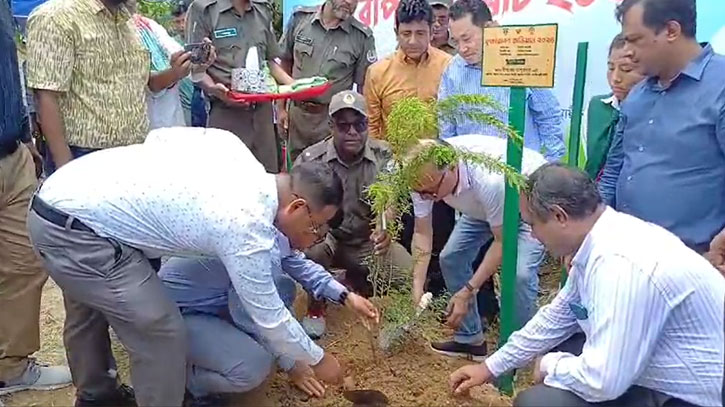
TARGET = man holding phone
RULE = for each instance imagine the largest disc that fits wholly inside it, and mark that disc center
(90, 71)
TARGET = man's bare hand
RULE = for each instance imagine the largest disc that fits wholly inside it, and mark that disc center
(181, 64)
(363, 308)
(328, 369)
(716, 254)
(303, 377)
(381, 241)
(463, 379)
(458, 307)
(198, 68)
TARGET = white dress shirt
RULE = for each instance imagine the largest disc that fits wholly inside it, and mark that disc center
(189, 192)
(480, 192)
(651, 310)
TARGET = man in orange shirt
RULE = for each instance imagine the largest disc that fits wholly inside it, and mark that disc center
(415, 69)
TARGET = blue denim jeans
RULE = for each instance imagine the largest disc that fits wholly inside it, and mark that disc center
(199, 108)
(49, 165)
(457, 258)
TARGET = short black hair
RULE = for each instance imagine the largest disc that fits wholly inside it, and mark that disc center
(409, 11)
(478, 9)
(179, 8)
(569, 188)
(657, 13)
(617, 43)
(317, 183)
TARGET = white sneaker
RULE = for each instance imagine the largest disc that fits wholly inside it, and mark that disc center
(314, 326)
(38, 376)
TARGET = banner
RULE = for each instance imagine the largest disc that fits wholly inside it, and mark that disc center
(579, 20)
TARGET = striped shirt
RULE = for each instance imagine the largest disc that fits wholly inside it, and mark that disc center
(95, 59)
(651, 310)
(543, 132)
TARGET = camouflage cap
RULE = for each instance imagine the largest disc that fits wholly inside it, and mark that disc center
(348, 99)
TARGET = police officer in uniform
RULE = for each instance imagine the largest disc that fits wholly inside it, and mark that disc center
(323, 41)
(234, 26)
(357, 160)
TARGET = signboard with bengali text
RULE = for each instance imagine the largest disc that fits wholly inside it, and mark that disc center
(519, 55)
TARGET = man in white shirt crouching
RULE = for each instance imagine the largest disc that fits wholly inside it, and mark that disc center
(186, 192)
(649, 308)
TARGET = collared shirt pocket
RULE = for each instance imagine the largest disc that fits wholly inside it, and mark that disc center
(302, 54)
(340, 64)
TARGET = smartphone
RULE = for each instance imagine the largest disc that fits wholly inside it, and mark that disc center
(200, 52)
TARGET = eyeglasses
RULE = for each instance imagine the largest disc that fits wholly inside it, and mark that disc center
(433, 193)
(360, 126)
(314, 227)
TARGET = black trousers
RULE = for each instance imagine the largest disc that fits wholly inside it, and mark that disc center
(542, 395)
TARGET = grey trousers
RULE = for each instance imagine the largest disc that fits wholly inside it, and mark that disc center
(544, 396)
(106, 282)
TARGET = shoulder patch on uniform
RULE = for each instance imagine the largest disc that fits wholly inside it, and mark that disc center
(371, 56)
(362, 27)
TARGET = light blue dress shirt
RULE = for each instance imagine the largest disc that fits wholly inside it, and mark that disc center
(666, 164)
(543, 132)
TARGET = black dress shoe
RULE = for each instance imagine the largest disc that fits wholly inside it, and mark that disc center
(122, 397)
(461, 350)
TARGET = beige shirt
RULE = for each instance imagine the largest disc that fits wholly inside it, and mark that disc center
(397, 77)
(97, 62)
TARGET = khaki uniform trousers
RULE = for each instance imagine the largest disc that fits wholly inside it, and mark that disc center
(254, 126)
(21, 275)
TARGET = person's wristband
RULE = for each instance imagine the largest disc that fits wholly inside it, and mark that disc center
(470, 288)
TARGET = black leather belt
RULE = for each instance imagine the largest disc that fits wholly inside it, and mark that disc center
(8, 147)
(55, 216)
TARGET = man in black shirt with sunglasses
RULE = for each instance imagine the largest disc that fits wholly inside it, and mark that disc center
(357, 160)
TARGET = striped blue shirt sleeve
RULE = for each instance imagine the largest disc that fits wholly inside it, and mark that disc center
(312, 277)
(611, 360)
(552, 325)
(446, 127)
(546, 114)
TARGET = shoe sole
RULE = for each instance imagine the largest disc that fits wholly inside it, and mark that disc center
(16, 389)
(457, 355)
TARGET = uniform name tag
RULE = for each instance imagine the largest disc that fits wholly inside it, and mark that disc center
(225, 33)
(303, 40)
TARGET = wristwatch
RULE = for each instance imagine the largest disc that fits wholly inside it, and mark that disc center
(343, 297)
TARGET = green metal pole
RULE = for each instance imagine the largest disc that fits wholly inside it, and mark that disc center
(511, 217)
(577, 114)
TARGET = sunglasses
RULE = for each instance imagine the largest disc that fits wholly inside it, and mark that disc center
(360, 126)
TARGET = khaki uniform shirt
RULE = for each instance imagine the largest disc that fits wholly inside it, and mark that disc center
(342, 54)
(449, 47)
(397, 77)
(96, 61)
(232, 34)
(356, 225)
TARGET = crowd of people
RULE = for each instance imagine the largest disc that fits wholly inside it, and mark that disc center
(182, 231)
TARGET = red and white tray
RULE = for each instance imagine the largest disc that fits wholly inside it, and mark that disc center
(304, 94)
